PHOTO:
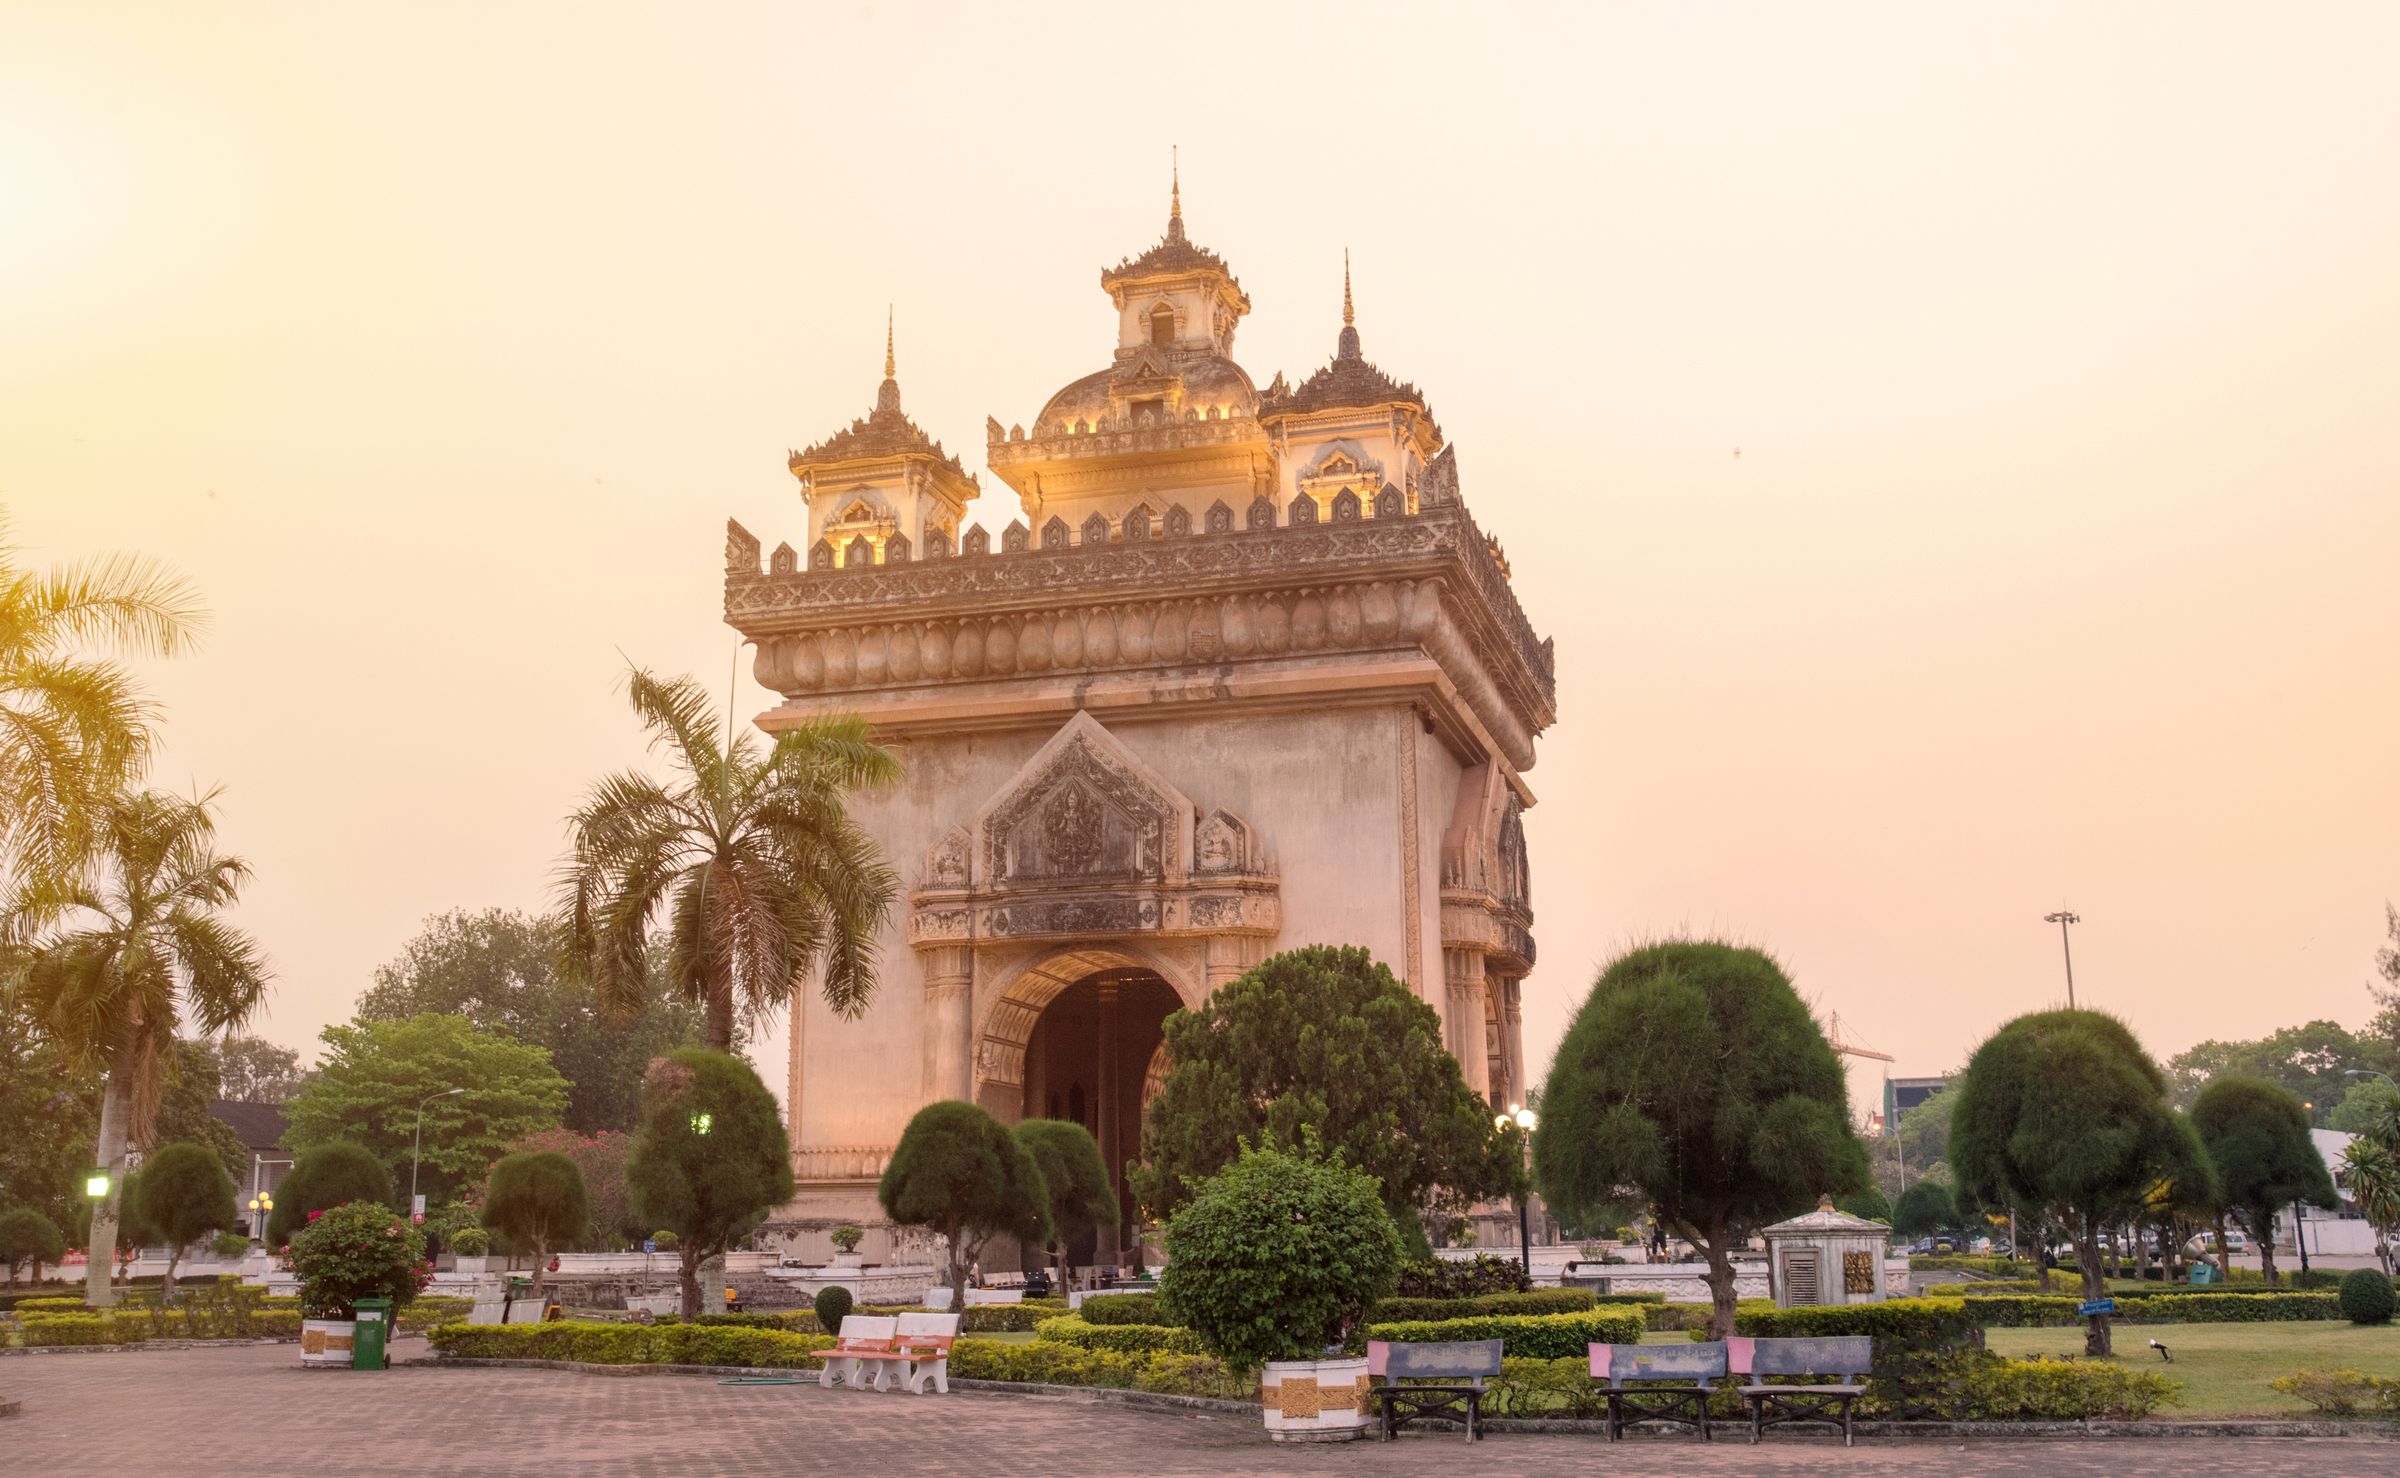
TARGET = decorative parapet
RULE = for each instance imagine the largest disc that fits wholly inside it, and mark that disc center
(1130, 433)
(841, 1162)
(1425, 579)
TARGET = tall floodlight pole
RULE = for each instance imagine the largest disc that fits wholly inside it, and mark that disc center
(419, 1146)
(2063, 918)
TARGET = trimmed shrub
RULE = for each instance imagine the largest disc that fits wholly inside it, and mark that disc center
(2366, 1297)
(1125, 1339)
(1937, 1319)
(2314, 1280)
(1539, 1301)
(470, 1241)
(2031, 1312)
(1048, 1362)
(1126, 1308)
(2041, 1390)
(2341, 1393)
(1663, 1318)
(356, 1251)
(83, 1329)
(832, 1305)
(336, 1173)
(1530, 1336)
(1998, 1267)
(632, 1344)
(74, 1305)
(1437, 1277)
(1989, 1288)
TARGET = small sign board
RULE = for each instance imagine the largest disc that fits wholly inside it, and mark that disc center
(2096, 1306)
(649, 1244)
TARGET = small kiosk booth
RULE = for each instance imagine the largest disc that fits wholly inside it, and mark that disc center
(1826, 1257)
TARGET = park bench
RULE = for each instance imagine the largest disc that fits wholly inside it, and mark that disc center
(1847, 1356)
(1453, 1376)
(1689, 1368)
(926, 1339)
(864, 1338)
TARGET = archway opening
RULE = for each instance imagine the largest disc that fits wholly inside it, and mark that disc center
(1089, 1060)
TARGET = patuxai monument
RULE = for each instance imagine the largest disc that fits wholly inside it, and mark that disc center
(1237, 673)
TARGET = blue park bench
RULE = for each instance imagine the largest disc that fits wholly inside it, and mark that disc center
(1451, 1376)
(1846, 1356)
(1676, 1383)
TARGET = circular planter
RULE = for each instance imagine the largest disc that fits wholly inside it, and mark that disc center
(327, 1342)
(1316, 1400)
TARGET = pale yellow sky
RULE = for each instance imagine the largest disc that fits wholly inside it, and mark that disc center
(437, 342)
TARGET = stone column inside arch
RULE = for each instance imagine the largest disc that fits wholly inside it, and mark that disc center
(949, 1023)
(1463, 1016)
(1110, 1249)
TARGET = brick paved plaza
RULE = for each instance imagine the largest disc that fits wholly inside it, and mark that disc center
(252, 1410)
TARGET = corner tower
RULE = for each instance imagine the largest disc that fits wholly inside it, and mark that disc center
(880, 491)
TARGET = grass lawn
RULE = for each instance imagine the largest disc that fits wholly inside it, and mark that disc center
(2225, 1367)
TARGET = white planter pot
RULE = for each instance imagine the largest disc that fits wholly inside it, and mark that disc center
(467, 1264)
(326, 1342)
(849, 1259)
(1316, 1400)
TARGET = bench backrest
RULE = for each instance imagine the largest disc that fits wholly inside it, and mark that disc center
(1846, 1355)
(920, 1327)
(1697, 1363)
(1469, 1359)
(869, 1326)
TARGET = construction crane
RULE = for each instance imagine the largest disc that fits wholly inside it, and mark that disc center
(1833, 1039)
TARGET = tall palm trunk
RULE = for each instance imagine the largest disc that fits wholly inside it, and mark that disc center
(116, 1114)
(719, 1024)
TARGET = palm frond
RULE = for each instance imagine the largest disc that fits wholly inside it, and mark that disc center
(126, 602)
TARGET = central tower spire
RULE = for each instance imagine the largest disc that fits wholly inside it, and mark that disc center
(1347, 346)
(887, 396)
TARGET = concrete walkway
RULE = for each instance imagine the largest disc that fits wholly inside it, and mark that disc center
(248, 1410)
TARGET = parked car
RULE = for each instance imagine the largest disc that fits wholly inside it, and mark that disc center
(2205, 1245)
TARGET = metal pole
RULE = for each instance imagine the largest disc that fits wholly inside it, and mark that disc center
(1524, 1238)
(2063, 918)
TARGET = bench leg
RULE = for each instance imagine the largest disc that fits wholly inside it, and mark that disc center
(1758, 1410)
(1847, 1439)
(1474, 1411)
(1702, 1399)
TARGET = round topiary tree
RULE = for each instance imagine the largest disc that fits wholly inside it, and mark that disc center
(537, 1198)
(711, 1158)
(959, 1172)
(1073, 1176)
(1925, 1208)
(1279, 1254)
(470, 1241)
(2257, 1136)
(833, 1305)
(329, 1175)
(185, 1195)
(358, 1251)
(27, 1236)
(2366, 1297)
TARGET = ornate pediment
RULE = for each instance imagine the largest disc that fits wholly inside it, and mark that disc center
(1088, 841)
(1083, 807)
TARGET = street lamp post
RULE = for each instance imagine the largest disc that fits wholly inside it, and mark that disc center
(418, 1147)
(1524, 1118)
(2063, 918)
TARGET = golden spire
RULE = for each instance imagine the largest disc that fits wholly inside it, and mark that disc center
(1175, 173)
(1347, 317)
(887, 341)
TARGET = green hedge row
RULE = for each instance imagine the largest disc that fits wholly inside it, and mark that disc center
(1125, 1339)
(981, 1319)
(1986, 1388)
(633, 1344)
(1125, 1308)
(1539, 1301)
(1990, 1287)
(82, 1329)
(1531, 1336)
(2024, 1312)
(1048, 1362)
(1998, 1267)
(132, 1326)
(1666, 1318)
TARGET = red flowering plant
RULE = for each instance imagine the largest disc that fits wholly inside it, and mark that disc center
(358, 1251)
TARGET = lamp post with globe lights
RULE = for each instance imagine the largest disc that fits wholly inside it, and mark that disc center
(1523, 1118)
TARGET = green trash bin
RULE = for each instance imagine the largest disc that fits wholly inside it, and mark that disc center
(368, 1335)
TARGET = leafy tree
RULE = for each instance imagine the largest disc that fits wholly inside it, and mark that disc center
(361, 1250)
(1869, 1203)
(1695, 1074)
(958, 1171)
(711, 1157)
(183, 1103)
(50, 1104)
(2063, 1112)
(762, 874)
(376, 1073)
(131, 942)
(1925, 1208)
(2309, 1062)
(27, 1236)
(185, 1195)
(2373, 1172)
(537, 1199)
(2257, 1137)
(498, 969)
(1322, 1037)
(75, 731)
(254, 1070)
(601, 1157)
(2369, 1103)
(1280, 1255)
(1080, 1197)
(336, 1173)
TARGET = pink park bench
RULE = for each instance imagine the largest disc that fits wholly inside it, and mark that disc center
(909, 1350)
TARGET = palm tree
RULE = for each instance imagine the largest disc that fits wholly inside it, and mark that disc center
(120, 949)
(759, 868)
(74, 731)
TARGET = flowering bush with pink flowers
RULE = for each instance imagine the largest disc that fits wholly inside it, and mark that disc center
(358, 1251)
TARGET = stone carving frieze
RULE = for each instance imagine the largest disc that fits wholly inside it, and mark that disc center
(1086, 841)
